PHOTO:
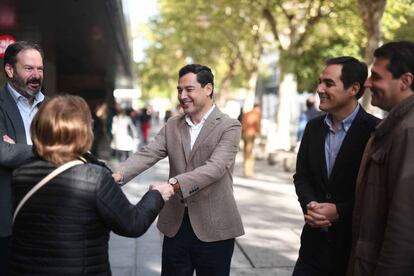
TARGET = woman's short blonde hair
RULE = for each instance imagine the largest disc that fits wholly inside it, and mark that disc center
(62, 129)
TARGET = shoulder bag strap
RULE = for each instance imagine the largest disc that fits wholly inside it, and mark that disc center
(44, 181)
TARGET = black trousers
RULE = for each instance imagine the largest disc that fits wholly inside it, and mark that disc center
(304, 269)
(323, 253)
(184, 253)
(4, 255)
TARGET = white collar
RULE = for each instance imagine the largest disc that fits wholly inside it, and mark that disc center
(191, 124)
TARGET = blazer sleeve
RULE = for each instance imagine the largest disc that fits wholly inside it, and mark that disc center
(120, 215)
(220, 161)
(12, 155)
(303, 176)
(145, 157)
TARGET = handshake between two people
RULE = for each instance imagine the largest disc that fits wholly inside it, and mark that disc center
(321, 215)
(166, 190)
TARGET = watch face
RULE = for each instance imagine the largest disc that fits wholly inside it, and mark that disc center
(172, 181)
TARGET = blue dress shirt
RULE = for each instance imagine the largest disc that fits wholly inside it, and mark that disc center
(334, 139)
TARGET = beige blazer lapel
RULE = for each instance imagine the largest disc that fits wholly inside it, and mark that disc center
(185, 139)
(207, 129)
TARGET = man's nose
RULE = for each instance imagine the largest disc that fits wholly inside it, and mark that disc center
(37, 74)
(182, 95)
(320, 88)
(368, 83)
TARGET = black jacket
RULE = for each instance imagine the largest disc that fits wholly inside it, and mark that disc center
(63, 229)
(329, 250)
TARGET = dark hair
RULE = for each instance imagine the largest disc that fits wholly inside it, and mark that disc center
(401, 57)
(204, 74)
(10, 56)
(353, 71)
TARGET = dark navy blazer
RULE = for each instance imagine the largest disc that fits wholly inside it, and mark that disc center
(330, 248)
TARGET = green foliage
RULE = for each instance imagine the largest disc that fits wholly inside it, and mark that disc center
(398, 19)
(215, 34)
(331, 37)
(230, 36)
(317, 31)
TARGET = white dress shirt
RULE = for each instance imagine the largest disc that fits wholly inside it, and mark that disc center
(195, 129)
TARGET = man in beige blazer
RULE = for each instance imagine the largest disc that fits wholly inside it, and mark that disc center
(201, 220)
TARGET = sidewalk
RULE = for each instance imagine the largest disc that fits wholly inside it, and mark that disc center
(272, 219)
(270, 213)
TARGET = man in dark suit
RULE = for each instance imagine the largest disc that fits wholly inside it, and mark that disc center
(19, 100)
(201, 221)
(327, 167)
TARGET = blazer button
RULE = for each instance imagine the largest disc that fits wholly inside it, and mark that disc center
(328, 196)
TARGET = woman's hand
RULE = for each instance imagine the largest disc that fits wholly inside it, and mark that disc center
(165, 189)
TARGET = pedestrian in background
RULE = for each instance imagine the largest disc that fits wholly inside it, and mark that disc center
(145, 124)
(250, 131)
(124, 135)
(327, 166)
(201, 221)
(383, 222)
(63, 228)
(19, 101)
(307, 115)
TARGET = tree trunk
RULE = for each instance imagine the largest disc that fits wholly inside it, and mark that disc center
(226, 82)
(371, 13)
(288, 88)
(224, 90)
(250, 96)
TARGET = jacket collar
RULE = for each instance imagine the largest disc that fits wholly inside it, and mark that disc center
(207, 129)
(350, 142)
(400, 110)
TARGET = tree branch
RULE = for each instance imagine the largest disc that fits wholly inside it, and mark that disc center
(272, 22)
(309, 23)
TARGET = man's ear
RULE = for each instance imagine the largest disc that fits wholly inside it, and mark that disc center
(406, 81)
(209, 88)
(9, 70)
(354, 89)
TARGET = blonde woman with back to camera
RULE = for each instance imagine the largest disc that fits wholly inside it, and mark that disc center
(63, 228)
